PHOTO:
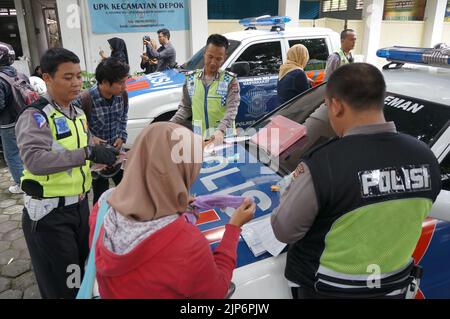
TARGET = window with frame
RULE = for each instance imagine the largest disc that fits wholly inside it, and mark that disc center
(334, 5)
(318, 52)
(264, 58)
(359, 4)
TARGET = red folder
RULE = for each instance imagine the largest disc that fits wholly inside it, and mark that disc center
(279, 135)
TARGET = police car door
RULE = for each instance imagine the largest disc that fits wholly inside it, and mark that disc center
(259, 86)
(318, 49)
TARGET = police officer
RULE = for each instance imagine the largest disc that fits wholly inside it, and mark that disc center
(211, 96)
(354, 210)
(343, 56)
(52, 137)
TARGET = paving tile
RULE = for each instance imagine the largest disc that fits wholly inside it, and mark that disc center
(32, 293)
(16, 268)
(11, 294)
(23, 281)
(5, 284)
(7, 226)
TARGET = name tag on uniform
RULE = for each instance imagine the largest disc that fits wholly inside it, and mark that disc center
(191, 88)
(223, 88)
(62, 128)
(61, 125)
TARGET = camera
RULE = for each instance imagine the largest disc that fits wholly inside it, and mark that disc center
(146, 38)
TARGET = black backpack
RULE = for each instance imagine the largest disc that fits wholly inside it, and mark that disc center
(22, 91)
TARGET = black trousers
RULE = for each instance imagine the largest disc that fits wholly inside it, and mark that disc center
(57, 241)
(101, 185)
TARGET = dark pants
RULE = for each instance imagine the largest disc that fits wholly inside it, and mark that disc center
(57, 241)
(305, 293)
(101, 185)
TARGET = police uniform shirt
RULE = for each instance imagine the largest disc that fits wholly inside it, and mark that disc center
(289, 223)
(233, 100)
(35, 139)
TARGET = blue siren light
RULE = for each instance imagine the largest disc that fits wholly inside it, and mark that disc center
(426, 56)
(265, 21)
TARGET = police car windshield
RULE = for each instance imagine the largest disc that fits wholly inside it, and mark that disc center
(196, 62)
(422, 119)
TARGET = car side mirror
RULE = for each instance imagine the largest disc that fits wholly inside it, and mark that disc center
(241, 69)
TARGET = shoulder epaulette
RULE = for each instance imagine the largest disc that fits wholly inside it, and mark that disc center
(39, 104)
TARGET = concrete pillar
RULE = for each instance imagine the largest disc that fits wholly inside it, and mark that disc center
(22, 16)
(70, 28)
(372, 18)
(290, 8)
(434, 22)
(198, 19)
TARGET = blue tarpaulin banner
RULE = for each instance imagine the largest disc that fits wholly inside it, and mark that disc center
(114, 16)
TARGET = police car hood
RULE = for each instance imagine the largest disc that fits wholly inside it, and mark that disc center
(155, 82)
(232, 170)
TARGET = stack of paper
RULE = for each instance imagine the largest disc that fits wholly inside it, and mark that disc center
(260, 238)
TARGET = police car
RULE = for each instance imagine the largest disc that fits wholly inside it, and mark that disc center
(418, 101)
(255, 55)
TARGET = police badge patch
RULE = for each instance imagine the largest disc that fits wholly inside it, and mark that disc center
(62, 128)
(40, 119)
(61, 125)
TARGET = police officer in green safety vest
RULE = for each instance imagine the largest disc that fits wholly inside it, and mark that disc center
(343, 56)
(210, 95)
(53, 141)
(354, 210)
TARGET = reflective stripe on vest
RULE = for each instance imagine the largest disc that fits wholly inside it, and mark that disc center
(343, 57)
(67, 135)
(208, 102)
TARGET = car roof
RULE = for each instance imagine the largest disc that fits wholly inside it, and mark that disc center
(267, 34)
(421, 82)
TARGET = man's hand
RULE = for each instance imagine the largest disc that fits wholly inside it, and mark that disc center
(153, 43)
(216, 138)
(97, 140)
(101, 154)
(102, 54)
(118, 143)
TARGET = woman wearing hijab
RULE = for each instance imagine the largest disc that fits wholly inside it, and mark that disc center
(118, 50)
(292, 79)
(147, 247)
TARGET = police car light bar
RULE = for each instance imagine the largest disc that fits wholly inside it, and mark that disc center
(266, 20)
(427, 56)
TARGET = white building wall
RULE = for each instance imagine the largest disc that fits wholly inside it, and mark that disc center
(89, 44)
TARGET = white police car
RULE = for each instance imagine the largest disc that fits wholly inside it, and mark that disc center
(255, 55)
(418, 101)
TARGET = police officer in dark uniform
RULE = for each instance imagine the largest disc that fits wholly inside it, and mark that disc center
(52, 136)
(354, 210)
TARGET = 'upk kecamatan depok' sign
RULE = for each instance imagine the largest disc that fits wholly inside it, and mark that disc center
(115, 16)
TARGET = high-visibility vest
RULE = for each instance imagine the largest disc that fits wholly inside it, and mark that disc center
(208, 102)
(69, 135)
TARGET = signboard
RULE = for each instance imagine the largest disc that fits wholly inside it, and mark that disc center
(406, 10)
(117, 16)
